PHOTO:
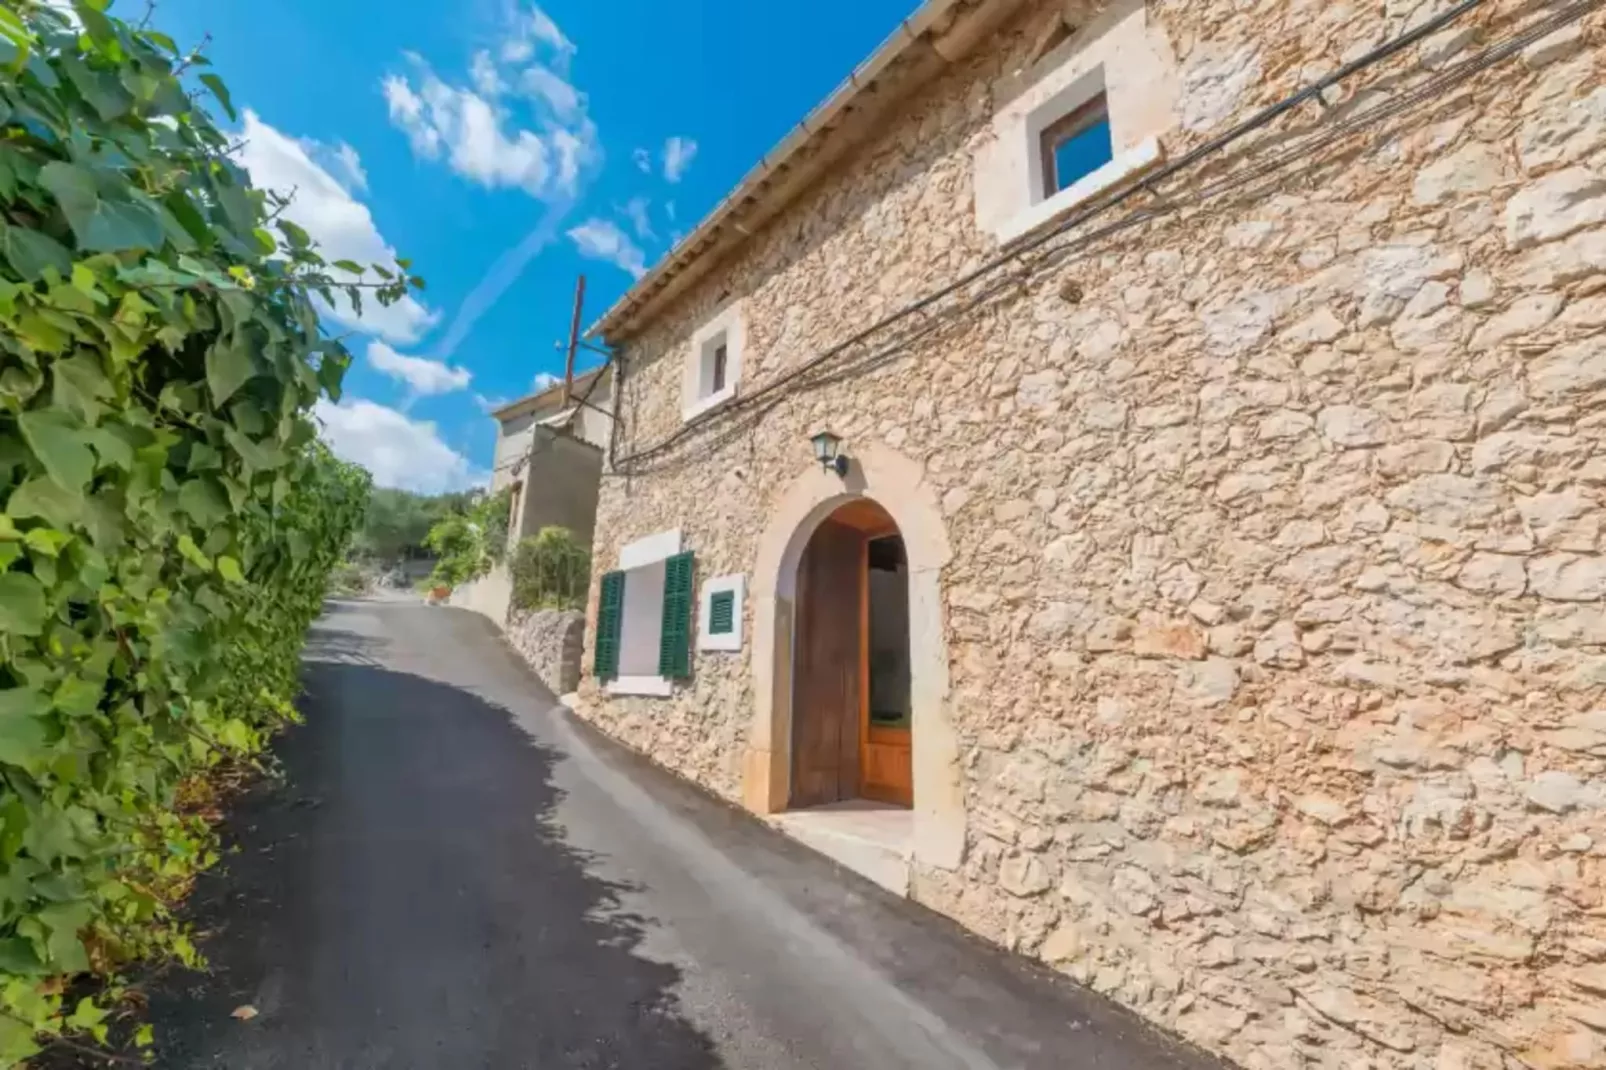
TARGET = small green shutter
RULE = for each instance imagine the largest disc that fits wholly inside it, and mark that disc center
(610, 619)
(722, 613)
(674, 649)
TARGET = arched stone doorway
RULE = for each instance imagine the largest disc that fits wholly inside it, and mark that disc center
(851, 717)
(896, 486)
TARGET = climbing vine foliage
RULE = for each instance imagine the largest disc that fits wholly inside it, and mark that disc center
(167, 515)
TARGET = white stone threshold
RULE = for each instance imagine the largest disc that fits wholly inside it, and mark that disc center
(872, 839)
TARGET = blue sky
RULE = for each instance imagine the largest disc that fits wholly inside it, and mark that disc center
(505, 148)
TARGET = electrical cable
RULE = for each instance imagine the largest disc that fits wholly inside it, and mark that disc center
(1099, 207)
(806, 375)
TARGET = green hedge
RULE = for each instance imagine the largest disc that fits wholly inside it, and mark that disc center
(168, 518)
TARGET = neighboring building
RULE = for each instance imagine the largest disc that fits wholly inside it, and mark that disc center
(549, 454)
(1212, 604)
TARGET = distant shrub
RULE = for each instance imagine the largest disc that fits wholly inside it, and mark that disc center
(551, 571)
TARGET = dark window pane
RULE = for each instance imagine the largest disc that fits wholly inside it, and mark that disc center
(719, 368)
(1082, 153)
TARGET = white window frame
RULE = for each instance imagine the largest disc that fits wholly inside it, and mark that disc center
(657, 547)
(730, 325)
(1117, 54)
(706, 639)
(1040, 207)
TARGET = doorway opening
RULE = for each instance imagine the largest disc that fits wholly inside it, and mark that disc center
(851, 712)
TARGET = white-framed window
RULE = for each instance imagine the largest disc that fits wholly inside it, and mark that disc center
(714, 362)
(1077, 121)
(642, 642)
(720, 618)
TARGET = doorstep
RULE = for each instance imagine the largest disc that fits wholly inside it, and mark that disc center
(874, 840)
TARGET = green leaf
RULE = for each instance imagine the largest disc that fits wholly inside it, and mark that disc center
(229, 569)
(219, 90)
(192, 553)
(22, 605)
(81, 383)
(58, 441)
(254, 454)
(101, 225)
(46, 499)
(228, 367)
(86, 1015)
(204, 501)
(32, 252)
(17, 956)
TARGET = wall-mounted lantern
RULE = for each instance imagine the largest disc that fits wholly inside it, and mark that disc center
(826, 451)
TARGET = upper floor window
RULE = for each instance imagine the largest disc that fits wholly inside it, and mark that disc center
(714, 364)
(1076, 145)
(1081, 114)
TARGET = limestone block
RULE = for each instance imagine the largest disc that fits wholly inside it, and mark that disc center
(1214, 82)
(1571, 368)
(1352, 425)
(1553, 46)
(1174, 639)
(1555, 206)
(1024, 876)
(1561, 792)
(1569, 577)
(1280, 647)
(1209, 683)
(1524, 316)
(1474, 168)
(1453, 501)
(1501, 574)
(1563, 132)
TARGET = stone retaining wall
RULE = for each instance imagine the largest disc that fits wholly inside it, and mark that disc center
(1275, 613)
(550, 641)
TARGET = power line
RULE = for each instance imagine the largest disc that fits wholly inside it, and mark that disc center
(745, 409)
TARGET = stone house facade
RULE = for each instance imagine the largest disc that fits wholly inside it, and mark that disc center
(1250, 515)
(549, 455)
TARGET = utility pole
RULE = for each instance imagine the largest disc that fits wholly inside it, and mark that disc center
(574, 339)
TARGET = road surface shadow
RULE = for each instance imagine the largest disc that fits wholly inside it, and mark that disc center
(402, 898)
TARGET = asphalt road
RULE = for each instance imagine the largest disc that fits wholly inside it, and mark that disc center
(455, 874)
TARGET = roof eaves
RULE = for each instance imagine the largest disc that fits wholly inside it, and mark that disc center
(754, 188)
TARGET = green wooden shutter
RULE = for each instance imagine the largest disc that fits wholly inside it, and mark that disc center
(722, 613)
(674, 648)
(610, 620)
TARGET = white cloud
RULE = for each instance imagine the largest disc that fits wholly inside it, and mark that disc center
(341, 225)
(530, 30)
(350, 165)
(638, 211)
(542, 84)
(502, 274)
(490, 405)
(679, 152)
(602, 239)
(643, 160)
(398, 451)
(487, 79)
(423, 377)
(545, 381)
(519, 123)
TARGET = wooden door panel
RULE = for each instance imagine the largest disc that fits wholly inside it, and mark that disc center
(889, 770)
(826, 699)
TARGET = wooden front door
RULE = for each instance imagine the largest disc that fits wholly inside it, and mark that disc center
(850, 706)
(827, 699)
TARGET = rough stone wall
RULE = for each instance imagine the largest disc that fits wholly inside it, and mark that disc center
(550, 642)
(1275, 617)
